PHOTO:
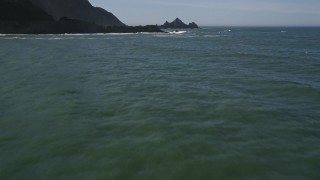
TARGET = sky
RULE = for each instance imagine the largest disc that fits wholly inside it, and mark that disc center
(216, 12)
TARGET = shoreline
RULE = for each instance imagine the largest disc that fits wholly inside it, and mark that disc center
(84, 34)
(69, 26)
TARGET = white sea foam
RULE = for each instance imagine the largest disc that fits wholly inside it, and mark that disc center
(119, 34)
(177, 32)
(152, 33)
(163, 35)
(12, 37)
(57, 38)
(212, 36)
(83, 34)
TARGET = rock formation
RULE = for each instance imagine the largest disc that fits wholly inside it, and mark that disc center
(78, 9)
(26, 17)
(178, 24)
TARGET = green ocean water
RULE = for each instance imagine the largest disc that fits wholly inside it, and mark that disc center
(213, 103)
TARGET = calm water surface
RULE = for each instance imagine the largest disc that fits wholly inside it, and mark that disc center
(214, 103)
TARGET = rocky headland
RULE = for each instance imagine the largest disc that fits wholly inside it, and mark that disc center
(78, 9)
(59, 17)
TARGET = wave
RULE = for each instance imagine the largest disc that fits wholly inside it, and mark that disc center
(120, 34)
(10, 38)
(163, 35)
(177, 32)
(213, 36)
(34, 38)
(247, 55)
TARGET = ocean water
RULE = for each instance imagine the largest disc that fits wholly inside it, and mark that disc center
(213, 103)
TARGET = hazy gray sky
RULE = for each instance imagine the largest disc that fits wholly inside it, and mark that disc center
(216, 12)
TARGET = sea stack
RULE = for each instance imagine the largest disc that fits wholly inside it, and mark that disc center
(178, 24)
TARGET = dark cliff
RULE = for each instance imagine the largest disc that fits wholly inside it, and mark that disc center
(25, 17)
(22, 11)
(178, 24)
(78, 9)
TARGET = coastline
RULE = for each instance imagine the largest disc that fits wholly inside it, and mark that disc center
(69, 27)
(33, 17)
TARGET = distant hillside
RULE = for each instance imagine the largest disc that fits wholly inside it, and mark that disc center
(78, 9)
(178, 24)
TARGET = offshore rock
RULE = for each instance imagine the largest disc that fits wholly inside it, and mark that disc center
(178, 24)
